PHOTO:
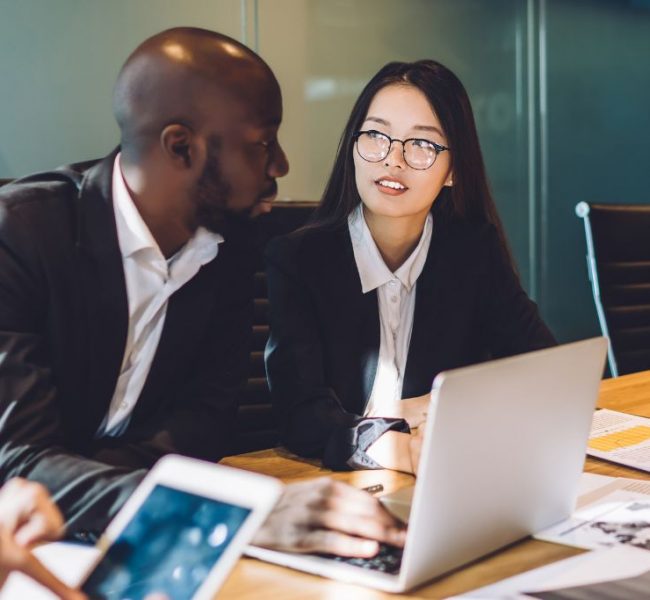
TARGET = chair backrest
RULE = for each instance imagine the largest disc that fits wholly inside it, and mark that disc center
(256, 424)
(5, 181)
(618, 262)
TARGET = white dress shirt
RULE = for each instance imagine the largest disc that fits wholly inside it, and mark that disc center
(396, 301)
(150, 281)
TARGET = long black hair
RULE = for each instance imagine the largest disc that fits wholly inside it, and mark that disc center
(468, 199)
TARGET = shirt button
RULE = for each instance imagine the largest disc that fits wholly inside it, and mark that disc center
(123, 404)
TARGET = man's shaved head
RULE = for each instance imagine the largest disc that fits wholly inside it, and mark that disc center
(199, 115)
(179, 76)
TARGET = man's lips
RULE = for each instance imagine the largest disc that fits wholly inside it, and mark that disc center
(265, 201)
(270, 193)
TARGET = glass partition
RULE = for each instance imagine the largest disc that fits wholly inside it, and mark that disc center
(560, 89)
(324, 51)
(598, 124)
(58, 62)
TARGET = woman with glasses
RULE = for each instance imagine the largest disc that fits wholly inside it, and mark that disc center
(404, 271)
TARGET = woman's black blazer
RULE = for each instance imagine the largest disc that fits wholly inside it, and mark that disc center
(321, 357)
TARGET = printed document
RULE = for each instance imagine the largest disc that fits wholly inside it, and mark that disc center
(617, 513)
(620, 438)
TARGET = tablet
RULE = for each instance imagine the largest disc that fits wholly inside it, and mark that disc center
(181, 532)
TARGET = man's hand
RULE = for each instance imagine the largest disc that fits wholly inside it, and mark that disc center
(27, 516)
(328, 516)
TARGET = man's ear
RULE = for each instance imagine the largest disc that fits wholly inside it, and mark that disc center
(179, 143)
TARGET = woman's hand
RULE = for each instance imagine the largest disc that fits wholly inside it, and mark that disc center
(413, 410)
(415, 448)
(27, 516)
(28, 513)
(398, 451)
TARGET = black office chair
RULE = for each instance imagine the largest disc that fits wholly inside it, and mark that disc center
(256, 425)
(618, 262)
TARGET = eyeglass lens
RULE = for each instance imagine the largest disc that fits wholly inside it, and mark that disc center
(374, 146)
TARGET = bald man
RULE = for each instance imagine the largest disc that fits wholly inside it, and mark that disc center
(125, 295)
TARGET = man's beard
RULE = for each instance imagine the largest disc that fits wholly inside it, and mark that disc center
(212, 193)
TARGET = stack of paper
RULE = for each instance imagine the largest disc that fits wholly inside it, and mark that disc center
(612, 519)
(620, 438)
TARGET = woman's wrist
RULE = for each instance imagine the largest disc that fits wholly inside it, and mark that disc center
(392, 451)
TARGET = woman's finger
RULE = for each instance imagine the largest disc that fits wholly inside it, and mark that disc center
(46, 525)
(33, 568)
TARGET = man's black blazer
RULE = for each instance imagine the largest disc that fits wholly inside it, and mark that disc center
(63, 326)
(321, 357)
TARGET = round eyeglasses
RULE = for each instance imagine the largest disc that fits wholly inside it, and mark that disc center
(419, 154)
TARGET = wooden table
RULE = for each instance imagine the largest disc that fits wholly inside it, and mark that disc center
(252, 579)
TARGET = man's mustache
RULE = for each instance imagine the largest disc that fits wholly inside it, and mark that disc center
(272, 190)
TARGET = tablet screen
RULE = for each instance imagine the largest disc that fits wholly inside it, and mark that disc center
(167, 549)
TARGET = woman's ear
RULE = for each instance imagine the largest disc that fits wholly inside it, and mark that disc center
(179, 144)
(449, 182)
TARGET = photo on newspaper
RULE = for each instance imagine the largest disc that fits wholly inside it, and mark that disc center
(604, 525)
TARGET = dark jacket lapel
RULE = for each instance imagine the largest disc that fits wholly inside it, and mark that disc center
(358, 313)
(431, 316)
(188, 312)
(209, 295)
(102, 287)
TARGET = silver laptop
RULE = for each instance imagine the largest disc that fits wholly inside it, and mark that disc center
(503, 451)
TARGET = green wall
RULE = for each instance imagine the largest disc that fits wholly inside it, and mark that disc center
(560, 90)
(58, 61)
(597, 125)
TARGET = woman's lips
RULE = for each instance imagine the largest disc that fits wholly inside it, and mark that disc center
(390, 186)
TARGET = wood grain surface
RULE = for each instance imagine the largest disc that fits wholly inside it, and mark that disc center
(252, 579)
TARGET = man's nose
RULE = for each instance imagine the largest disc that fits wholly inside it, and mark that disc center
(279, 165)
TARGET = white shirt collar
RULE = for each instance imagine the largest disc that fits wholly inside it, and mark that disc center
(134, 235)
(373, 271)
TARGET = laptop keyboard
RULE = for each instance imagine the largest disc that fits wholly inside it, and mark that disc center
(387, 560)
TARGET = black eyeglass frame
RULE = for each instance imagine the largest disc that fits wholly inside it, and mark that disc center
(438, 148)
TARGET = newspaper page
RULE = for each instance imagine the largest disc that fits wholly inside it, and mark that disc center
(620, 438)
(616, 514)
